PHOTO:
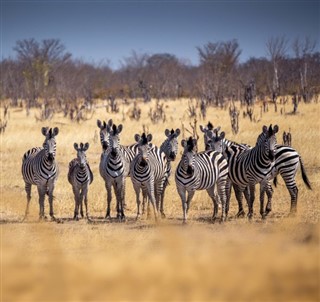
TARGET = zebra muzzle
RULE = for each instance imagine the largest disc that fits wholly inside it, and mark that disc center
(190, 170)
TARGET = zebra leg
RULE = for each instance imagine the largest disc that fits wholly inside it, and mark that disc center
(212, 193)
(41, 191)
(262, 191)
(86, 201)
(228, 195)
(251, 201)
(50, 193)
(81, 203)
(28, 191)
(137, 190)
(182, 194)
(152, 200)
(120, 201)
(109, 196)
(161, 202)
(238, 193)
(190, 196)
(269, 192)
(76, 194)
(293, 190)
(221, 184)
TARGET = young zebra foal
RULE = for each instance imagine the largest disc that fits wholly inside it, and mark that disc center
(80, 177)
(40, 168)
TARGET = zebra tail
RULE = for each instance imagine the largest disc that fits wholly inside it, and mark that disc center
(304, 174)
(275, 181)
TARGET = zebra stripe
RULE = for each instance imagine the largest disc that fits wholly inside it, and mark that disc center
(40, 168)
(199, 171)
(80, 177)
(148, 172)
(287, 161)
(170, 148)
(256, 165)
(115, 167)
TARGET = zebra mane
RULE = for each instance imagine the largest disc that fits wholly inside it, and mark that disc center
(114, 129)
(190, 144)
(209, 126)
(144, 139)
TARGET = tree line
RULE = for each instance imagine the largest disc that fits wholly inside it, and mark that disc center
(45, 70)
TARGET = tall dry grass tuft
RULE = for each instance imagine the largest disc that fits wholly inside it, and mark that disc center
(277, 259)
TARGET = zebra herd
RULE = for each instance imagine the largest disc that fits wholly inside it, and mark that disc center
(224, 164)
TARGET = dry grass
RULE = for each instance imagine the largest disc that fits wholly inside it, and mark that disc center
(76, 261)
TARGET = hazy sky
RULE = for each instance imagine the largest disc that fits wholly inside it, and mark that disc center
(109, 30)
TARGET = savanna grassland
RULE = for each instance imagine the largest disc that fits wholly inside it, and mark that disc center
(273, 260)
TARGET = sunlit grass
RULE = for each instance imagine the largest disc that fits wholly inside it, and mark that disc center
(273, 260)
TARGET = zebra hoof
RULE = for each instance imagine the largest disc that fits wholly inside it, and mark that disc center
(107, 217)
(222, 220)
(163, 215)
(184, 222)
(250, 216)
(240, 214)
(76, 218)
(53, 218)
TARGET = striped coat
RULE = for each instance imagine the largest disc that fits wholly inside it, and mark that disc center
(201, 171)
(39, 168)
(80, 177)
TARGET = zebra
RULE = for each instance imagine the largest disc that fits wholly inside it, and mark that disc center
(255, 165)
(115, 167)
(220, 143)
(39, 167)
(287, 161)
(201, 171)
(148, 172)
(80, 177)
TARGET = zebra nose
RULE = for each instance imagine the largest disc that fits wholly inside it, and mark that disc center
(50, 156)
(105, 145)
(172, 155)
(190, 170)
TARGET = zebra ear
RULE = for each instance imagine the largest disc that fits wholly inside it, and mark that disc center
(55, 131)
(183, 143)
(264, 129)
(86, 147)
(137, 137)
(75, 145)
(110, 123)
(120, 127)
(149, 137)
(202, 129)
(222, 135)
(81, 146)
(99, 124)
(275, 129)
(217, 129)
(44, 130)
(177, 132)
(167, 132)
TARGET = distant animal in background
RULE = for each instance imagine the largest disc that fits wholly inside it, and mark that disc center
(39, 167)
(80, 177)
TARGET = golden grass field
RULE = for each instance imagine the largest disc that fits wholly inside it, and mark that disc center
(273, 260)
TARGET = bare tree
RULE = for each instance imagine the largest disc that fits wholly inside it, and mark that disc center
(276, 48)
(303, 50)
